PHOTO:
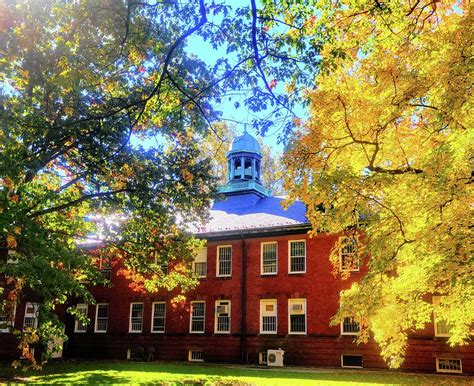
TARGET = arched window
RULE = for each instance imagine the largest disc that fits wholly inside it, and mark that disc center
(257, 170)
(248, 168)
(237, 165)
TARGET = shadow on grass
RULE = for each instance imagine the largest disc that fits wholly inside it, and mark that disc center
(121, 372)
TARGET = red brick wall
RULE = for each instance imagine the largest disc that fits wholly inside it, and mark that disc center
(321, 346)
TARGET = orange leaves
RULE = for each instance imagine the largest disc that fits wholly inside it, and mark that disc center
(298, 122)
(14, 198)
(11, 242)
(7, 181)
(12, 296)
(187, 175)
(59, 264)
(136, 280)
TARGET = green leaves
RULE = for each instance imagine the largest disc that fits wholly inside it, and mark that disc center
(78, 81)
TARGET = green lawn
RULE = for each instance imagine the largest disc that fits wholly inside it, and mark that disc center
(121, 372)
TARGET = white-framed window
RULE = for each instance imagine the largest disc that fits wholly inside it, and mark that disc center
(78, 325)
(7, 319)
(448, 365)
(195, 356)
(31, 315)
(441, 327)
(348, 258)
(297, 316)
(349, 326)
(222, 318)
(136, 317)
(105, 267)
(224, 260)
(351, 361)
(269, 258)
(158, 317)
(200, 262)
(164, 266)
(297, 256)
(101, 317)
(198, 317)
(268, 316)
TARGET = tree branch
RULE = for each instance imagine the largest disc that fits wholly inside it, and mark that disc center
(77, 201)
(258, 59)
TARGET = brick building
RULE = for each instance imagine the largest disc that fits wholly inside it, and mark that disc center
(264, 285)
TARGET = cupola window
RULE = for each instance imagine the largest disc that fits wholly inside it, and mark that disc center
(248, 168)
(244, 159)
(237, 168)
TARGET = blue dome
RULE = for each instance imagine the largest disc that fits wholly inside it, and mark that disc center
(245, 142)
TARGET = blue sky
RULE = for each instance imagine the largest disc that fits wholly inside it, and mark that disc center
(204, 51)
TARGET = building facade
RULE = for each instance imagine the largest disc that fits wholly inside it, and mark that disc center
(264, 285)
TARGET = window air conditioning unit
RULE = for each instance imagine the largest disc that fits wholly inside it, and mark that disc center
(223, 309)
(297, 309)
(275, 357)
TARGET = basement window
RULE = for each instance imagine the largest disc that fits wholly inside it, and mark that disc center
(136, 353)
(351, 361)
(195, 356)
(448, 365)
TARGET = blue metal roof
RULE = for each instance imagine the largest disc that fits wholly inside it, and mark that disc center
(248, 211)
(245, 143)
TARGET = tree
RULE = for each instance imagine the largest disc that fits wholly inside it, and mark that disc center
(78, 80)
(76, 84)
(389, 142)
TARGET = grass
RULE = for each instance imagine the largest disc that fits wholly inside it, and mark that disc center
(122, 372)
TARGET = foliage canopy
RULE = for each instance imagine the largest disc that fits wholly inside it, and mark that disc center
(78, 80)
(390, 142)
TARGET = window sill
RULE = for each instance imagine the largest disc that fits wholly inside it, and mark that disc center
(298, 333)
(196, 332)
(268, 333)
(157, 332)
(269, 274)
(135, 332)
(297, 273)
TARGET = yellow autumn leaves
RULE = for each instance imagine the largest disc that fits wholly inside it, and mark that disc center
(390, 137)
